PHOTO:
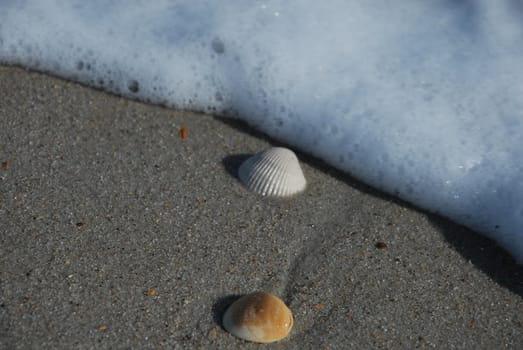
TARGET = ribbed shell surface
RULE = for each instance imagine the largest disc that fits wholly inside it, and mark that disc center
(273, 172)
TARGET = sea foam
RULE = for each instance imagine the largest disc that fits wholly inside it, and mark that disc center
(422, 99)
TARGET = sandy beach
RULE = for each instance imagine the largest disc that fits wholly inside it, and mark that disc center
(117, 233)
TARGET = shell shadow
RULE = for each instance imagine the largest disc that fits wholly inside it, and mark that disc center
(220, 305)
(233, 162)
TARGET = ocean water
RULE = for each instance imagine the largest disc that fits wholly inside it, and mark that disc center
(422, 99)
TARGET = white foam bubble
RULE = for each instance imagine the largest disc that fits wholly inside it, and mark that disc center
(421, 99)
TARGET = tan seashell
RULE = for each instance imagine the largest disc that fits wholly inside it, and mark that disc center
(273, 172)
(258, 317)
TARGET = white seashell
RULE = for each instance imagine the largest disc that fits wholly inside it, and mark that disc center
(273, 172)
(258, 317)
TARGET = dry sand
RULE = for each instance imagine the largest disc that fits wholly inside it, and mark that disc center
(115, 233)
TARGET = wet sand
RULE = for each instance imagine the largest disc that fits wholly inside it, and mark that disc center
(117, 233)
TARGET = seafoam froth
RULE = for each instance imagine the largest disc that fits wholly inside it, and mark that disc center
(421, 99)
